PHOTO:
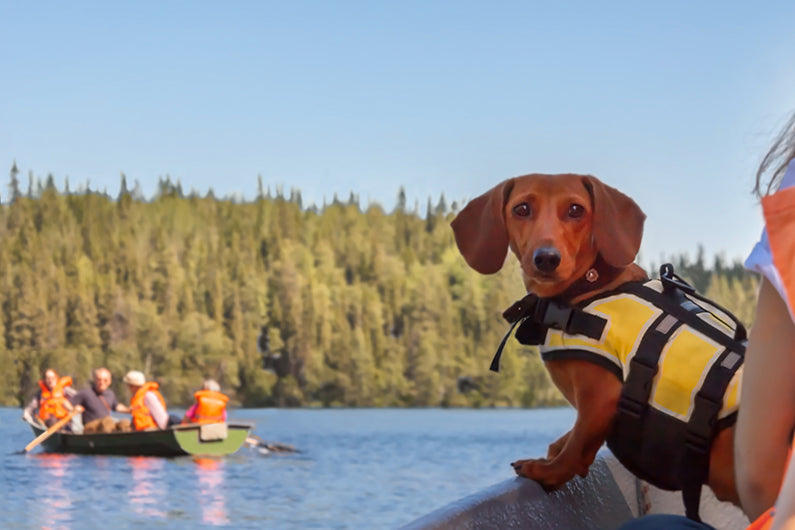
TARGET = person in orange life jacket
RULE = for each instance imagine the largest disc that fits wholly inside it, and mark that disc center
(50, 403)
(147, 406)
(766, 417)
(210, 406)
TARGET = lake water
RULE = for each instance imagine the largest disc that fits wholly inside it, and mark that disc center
(357, 468)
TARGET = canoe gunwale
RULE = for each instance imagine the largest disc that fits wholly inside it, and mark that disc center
(607, 498)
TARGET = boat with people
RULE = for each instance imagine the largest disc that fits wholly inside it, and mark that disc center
(605, 499)
(206, 439)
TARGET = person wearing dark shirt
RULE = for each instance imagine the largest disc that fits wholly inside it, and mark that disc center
(98, 401)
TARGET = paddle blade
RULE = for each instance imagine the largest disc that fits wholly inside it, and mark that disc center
(49, 432)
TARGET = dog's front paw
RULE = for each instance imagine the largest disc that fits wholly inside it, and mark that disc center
(532, 468)
(518, 466)
(541, 470)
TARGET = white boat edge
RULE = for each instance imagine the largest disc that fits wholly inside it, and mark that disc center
(609, 496)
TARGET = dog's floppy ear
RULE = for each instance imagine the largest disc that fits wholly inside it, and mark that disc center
(617, 223)
(480, 231)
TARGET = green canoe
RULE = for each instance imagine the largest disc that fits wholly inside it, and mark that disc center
(214, 439)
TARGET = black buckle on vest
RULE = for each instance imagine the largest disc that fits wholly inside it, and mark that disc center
(697, 442)
(549, 313)
(554, 315)
(639, 366)
(524, 307)
(701, 427)
(631, 407)
(637, 387)
(639, 379)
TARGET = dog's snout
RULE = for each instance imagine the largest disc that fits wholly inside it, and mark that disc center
(546, 259)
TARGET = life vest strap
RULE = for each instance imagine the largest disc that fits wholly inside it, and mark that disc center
(687, 311)
(636, 391)
(701, 428)
(670, 280)
(495, 362)
(699, 434)
(535, 316)
(550, 313)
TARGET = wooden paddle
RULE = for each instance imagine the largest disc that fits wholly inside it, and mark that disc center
(49, 432)
(255, 441)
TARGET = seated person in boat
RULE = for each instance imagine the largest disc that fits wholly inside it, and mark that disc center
(98, 402)
(147, 406)
(210, 405)
(50, 403)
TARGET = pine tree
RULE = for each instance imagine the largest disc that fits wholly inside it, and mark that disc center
(13, 186)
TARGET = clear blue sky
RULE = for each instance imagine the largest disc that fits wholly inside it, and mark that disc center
(672, 102)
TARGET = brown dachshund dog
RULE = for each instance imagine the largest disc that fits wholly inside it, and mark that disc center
(558, 226)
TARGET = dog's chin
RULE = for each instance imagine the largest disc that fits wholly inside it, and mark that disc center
(544, 285)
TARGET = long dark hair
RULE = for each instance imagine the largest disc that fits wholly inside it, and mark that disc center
(774, 164)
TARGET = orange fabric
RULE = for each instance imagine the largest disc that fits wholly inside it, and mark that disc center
(779, 211)
(52, 403)
(210, 407)
(142, 418)
(764, 522)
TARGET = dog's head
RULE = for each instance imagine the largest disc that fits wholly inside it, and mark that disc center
(556, 225)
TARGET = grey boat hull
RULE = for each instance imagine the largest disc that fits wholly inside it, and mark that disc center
(609, 496)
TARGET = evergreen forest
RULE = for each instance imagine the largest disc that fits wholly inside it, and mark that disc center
(284, 305)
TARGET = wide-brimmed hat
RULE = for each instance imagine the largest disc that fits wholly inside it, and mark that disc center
(135, 378)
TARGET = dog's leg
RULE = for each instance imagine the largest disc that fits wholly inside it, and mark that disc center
(571, 457)
(557, 446)
(721, 467)
(594, 392)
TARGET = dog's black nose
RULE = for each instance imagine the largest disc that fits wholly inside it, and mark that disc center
(546, 259)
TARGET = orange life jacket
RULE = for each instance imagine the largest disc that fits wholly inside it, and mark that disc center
(52, 402)
(141, 417)
(210, 407)
(779, 211)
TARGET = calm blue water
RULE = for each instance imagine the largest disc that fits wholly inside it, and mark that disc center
(358, 468)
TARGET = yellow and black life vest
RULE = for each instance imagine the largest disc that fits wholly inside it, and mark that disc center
(679, 356)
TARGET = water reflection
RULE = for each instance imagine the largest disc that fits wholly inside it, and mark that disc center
(210, 474)
(54, 490)
(148, 490)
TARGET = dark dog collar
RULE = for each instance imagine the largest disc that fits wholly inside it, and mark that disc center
(598, 275)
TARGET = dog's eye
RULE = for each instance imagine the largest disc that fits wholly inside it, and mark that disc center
(576, 211)
(521, 210)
